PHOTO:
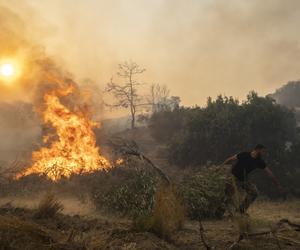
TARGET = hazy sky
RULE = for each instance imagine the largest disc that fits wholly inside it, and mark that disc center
(198, 48)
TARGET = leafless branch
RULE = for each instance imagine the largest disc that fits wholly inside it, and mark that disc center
(126, 93)
(131, 148)
(272, 232)
(203, 238)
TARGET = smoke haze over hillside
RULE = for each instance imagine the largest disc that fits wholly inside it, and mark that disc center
(198, 48)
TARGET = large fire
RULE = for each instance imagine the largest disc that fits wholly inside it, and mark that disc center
(72, 149)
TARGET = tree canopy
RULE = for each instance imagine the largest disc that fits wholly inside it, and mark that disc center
(225, 126)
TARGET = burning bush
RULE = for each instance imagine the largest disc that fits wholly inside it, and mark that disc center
(69, 143)
(204, 193)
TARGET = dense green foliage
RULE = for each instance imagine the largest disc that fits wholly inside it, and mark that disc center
(132, 194)
(204, 193)
(196, 136)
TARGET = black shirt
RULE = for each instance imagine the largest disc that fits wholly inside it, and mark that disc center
(246, 164)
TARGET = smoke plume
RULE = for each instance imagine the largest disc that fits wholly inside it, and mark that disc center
(22, 100)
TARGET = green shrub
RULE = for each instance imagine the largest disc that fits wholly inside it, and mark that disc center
(204, 193)
(132, 194)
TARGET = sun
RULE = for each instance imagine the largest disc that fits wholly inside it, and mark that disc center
(7, 70)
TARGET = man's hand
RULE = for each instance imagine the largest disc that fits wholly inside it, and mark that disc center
(275, 181)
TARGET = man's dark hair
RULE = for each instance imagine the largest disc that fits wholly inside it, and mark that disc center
(259, 146)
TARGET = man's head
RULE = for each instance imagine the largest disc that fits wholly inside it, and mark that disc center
(259, 149)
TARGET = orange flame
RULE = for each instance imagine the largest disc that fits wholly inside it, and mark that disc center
(74, 151)
(119, 161)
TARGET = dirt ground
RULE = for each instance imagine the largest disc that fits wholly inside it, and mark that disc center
(262, 217)
(92, 230)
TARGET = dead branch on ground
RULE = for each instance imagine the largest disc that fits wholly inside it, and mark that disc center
(125, 147)
(203, 237)
(272, 232)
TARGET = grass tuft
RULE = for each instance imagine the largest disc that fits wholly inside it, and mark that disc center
(49, 207)
(167, 216)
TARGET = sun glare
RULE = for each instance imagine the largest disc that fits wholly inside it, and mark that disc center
(7, 70)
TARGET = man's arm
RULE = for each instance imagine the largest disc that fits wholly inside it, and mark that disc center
(230, 159)
(274, 179)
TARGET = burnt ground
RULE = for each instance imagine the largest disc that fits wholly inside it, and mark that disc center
(20, 230)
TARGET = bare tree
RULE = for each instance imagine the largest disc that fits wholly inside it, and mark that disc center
(160, 99)
(126, 93)
(158, 96)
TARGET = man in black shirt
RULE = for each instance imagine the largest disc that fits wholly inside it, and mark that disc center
(245, 163)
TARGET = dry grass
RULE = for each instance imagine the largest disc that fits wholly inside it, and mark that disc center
(276, 210)
(18, 230)
(168, 211)
(48, 207)
(16, 233)
(167, 216)
(261, 230)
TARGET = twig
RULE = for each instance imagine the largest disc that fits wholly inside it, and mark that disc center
(288, 239)
(202, 237)
(71, 236)
(273, 232)
(234, 244)
(277, 241)
(291, 224)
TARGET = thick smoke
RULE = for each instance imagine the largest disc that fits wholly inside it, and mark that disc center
(198, 48)
(22, 99)
(19, 125)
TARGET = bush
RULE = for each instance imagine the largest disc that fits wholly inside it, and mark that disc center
(165, 125)
(168, 212)
(167, 216)
(204, 193)
(48, 207)
(132, 194)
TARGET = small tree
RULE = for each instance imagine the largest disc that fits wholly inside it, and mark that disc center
(160, 100)
(158, 96)
(126, 93)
